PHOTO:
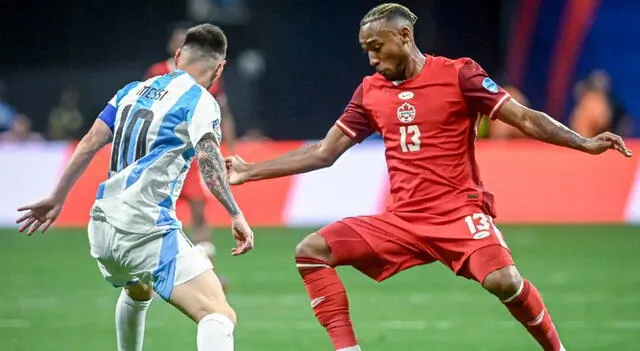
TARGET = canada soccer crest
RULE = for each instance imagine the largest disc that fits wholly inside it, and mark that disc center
(406, 112)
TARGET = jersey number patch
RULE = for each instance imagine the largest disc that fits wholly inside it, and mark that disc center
(131, 144)
(480, 226)
(410, 138)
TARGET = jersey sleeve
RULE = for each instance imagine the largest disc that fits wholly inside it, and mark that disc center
(355, 121)
(108, 114)
(481, 94)
(204, 118)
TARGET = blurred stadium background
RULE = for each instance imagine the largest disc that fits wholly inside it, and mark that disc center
(570, 219)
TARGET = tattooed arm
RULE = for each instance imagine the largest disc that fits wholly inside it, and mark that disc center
(214, 173)
(541, 126)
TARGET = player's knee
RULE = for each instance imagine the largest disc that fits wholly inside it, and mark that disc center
(504, 282)
(212, 306)
(197, 212)
(139, 292)
(314, 246)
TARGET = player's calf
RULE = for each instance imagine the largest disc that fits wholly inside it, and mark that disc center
(203, 300)
(131, 311)
(328, 297)
(524, 302)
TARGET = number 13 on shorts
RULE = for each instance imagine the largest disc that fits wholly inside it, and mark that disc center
(481, 226)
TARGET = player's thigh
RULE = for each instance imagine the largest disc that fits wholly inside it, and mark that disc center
(201, 296)
(102, 236)
(472, 246)
(379, 246)
(162, 260)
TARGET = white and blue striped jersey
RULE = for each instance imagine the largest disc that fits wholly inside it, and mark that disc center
(156, 125)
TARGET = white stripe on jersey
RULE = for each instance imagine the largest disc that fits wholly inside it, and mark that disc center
(157, 125)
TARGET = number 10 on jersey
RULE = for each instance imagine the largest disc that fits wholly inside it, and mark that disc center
(410, 138)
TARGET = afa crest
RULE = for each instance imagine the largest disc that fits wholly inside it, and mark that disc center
(406, 112)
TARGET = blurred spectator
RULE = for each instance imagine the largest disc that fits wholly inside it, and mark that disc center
(20, 131)
(597, 110)
(7, 112)
(65, 120)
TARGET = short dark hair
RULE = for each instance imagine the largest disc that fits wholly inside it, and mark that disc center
(390, 12)
(207, 38)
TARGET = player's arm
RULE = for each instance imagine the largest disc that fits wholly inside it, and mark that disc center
(214, 172)
(98, 136)
(43, 213)
(484, 96)
(352, 127)
(541, 126)
(204, 131)
(305, 159)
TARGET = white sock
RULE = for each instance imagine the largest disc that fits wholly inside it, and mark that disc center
(130, 318)
(215, 332)
(352, 348)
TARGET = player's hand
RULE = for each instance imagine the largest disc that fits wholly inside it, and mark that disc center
(39, 215)
(243, 235)
(238, 170)
(604, 142)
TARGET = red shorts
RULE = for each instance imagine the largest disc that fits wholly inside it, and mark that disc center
(383, 245)
(193, 189)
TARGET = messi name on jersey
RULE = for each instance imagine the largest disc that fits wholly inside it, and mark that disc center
(152, 93)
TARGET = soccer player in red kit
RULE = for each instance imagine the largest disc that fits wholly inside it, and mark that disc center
(426, 109)
(193, 191)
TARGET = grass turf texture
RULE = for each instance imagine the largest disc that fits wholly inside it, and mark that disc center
(53, 297)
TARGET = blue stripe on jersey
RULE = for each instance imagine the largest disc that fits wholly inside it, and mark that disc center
(164, 275)
(100, 194)
(168, 201)
(166, 139)
(132, 146)
(143, 102)
(124, 91)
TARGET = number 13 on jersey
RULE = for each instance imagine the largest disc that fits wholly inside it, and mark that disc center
(410, 138)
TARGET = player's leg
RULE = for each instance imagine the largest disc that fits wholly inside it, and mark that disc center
(363, 243)
(203, 300)
(327, 293)
(523, 301)
(183, 275)
(134, 299)
(131, 312)
(493, 267)
(201, 232)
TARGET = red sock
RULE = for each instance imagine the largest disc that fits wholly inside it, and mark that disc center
(529, 309)
(328, 300)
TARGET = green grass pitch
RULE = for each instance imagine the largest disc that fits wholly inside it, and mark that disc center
(52, 297)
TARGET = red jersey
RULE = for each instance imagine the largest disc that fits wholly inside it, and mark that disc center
(164, 67)
(428, 124)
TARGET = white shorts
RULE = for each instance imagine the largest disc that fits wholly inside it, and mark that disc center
(161, 260)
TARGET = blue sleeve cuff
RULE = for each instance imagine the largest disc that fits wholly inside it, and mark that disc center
(108, 116)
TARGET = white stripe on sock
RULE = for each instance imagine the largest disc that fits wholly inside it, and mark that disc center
(516, 294)
(352, 348)
(312, 265)
(537, 320)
